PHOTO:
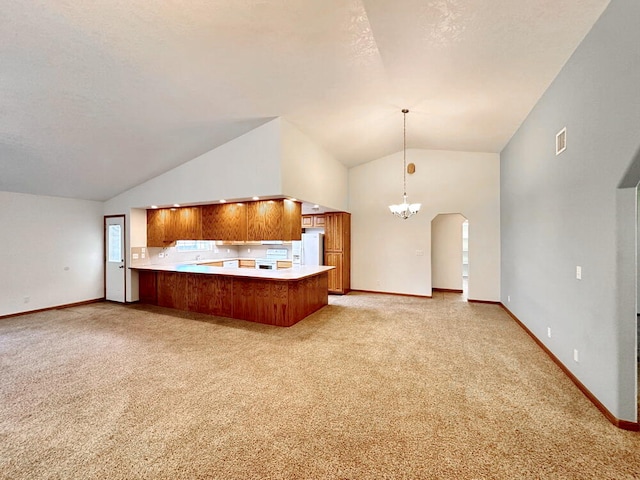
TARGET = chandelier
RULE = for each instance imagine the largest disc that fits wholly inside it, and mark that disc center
(405, 209)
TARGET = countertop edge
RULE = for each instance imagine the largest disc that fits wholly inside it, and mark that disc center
(283, 275)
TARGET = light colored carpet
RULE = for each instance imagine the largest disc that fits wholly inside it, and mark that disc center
(371, 386)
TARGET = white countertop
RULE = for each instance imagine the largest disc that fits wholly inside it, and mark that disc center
(294, 273)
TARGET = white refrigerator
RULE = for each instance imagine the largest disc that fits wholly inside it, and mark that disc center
(310, 250)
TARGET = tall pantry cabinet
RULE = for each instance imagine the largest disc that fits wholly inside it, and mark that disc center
(337, 250)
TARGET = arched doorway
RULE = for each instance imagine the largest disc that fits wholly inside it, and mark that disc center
(450, 253)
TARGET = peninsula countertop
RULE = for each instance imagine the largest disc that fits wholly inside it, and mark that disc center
(285, 274)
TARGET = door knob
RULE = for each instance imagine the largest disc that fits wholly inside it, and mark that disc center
(121, 266)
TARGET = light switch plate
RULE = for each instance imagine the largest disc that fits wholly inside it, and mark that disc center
(579, 273)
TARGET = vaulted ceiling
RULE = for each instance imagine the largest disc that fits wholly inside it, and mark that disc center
(97, 97)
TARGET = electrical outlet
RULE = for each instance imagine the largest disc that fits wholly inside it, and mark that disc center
(575, 355)
(508, 298)
(420, 253)
(248, 250)
(161, 255)
(549, 332)
(579, 272)
(135, 256)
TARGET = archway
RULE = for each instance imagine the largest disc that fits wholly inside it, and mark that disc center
(449, 253)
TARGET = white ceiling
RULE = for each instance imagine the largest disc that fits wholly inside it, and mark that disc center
(96, 97)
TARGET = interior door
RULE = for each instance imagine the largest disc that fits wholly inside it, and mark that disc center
(114, 258)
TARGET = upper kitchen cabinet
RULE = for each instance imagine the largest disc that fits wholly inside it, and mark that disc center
(166, 225)
(226, 221)
(337, 231)
(274, 220)
(313, 221)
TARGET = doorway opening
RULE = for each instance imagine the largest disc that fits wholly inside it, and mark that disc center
(465, 258)
(114, 258)
(450, 254)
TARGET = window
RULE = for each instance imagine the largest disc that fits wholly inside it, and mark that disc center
(115, 244)
(194, 245)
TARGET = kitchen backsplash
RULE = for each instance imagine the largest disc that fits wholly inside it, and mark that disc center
(170, 255)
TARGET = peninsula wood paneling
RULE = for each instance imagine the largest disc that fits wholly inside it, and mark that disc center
(215, 295)
(147, 287)
(178, 290)
(226, 221)
(273, 302)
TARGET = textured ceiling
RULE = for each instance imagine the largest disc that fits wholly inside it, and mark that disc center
(96, 97)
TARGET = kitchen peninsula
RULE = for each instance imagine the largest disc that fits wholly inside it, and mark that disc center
(274, 297)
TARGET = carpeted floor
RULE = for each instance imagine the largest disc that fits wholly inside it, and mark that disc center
(370, 387)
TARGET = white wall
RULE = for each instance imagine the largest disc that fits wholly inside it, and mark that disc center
(446, 251)
(52, 251)
(311, 174)
(385, 249)
(559, 212)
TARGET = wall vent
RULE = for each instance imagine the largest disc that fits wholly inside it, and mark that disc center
(561, 141)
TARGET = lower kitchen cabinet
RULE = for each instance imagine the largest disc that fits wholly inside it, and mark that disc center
(335, 275)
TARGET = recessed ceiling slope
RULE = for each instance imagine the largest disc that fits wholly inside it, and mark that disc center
(100, 96)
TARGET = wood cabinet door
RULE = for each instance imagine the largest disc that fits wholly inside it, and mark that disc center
(319, 221)
(333, 232)
(227, 222)
(307, 221)
(291, 224)
(335, 276)
(265, 219)
(185, 223)
(155, 227)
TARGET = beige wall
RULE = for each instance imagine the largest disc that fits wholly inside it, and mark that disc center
(52, 251)
(394, 255)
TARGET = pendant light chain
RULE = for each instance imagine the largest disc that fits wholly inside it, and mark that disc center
(405, 209)
(404, 151)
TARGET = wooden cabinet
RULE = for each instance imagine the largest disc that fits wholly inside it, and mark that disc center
(155, 227)
(337, 247)
(166, 225)
(247, 263)
(226, 222)
(213, 264)
(280, 264)
(185, 223)
(336, 280)
(235, 222)
(307, 221)
(273, 220)
(313, 221)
